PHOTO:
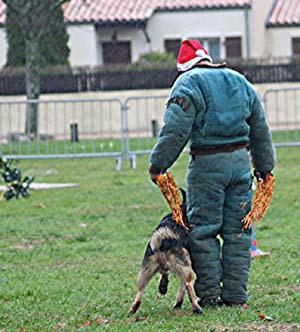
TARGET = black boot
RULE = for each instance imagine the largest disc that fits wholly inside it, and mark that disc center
(210, 300)
(233, 303)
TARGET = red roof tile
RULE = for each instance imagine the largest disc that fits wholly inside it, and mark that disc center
(114, 11)
(285, 13)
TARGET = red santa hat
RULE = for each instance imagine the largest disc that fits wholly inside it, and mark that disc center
(191, 51)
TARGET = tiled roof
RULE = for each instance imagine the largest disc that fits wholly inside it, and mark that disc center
(198, 4)
(106, 11)
(126, 11)
(284, 13)
(2, 12)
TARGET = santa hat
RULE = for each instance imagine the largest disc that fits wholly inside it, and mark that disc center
(191, 51)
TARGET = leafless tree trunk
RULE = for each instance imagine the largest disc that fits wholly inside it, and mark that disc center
(32, 84)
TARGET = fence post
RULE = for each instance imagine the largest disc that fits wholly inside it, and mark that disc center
(125, 130)
(154, 126)
(74, 132)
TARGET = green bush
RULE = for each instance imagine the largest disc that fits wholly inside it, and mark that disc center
(156, 58)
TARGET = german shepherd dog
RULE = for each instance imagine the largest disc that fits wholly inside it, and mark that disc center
(167, 252)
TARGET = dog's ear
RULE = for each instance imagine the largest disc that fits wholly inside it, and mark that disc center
(183, 194)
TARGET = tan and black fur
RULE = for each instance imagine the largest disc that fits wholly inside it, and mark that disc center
(167, 252)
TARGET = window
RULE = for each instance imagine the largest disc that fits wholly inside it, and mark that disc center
(233, 47)
(212, 45)
(172, 46)
(296, 46)
(116, 52)
(214, 48)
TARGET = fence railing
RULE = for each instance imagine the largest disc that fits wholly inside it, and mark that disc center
(115, 128)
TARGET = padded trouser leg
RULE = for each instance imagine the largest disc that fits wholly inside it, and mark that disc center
(236, 255)
(219, 196)
(205, 213)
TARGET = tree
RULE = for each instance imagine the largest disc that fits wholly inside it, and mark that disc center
(37, 22)
(16, 41)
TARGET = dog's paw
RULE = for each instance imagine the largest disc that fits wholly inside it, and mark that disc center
(134, 307)
(163, 284)
(163, 289)
(178, 305)
(197, 311)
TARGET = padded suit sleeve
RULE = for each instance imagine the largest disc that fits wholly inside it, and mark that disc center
(261, 146)
(179, 117)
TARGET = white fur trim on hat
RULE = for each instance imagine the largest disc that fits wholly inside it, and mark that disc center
(189, 64)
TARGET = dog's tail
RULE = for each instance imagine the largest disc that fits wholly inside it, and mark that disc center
(169, 189)
(183, 194)
(163, 284)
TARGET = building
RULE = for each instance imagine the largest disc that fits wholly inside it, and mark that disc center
(119, 31)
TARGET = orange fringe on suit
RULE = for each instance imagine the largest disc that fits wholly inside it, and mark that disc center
(261, 200)
(260, 206)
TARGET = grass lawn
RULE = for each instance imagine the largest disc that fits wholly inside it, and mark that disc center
(69, 257)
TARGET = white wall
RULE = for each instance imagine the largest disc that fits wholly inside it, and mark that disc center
(3, 47)
(279, 41)
(161, 26)
(83, 45)
(269, 43)
(204, 24)
(258, 15)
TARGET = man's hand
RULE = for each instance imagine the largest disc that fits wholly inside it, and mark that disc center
(154, 172)
(260, 175)
(264, 176)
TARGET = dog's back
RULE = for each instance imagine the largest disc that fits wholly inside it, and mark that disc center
(166, 252)
(168, 238)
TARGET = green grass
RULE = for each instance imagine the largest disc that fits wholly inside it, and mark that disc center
(286, 136)
(84, 146)
(106, 145)
(56, 274)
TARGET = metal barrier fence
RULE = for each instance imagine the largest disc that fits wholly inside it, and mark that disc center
(65, 128)
(282, 107)
(143, 121)
(115, 128)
